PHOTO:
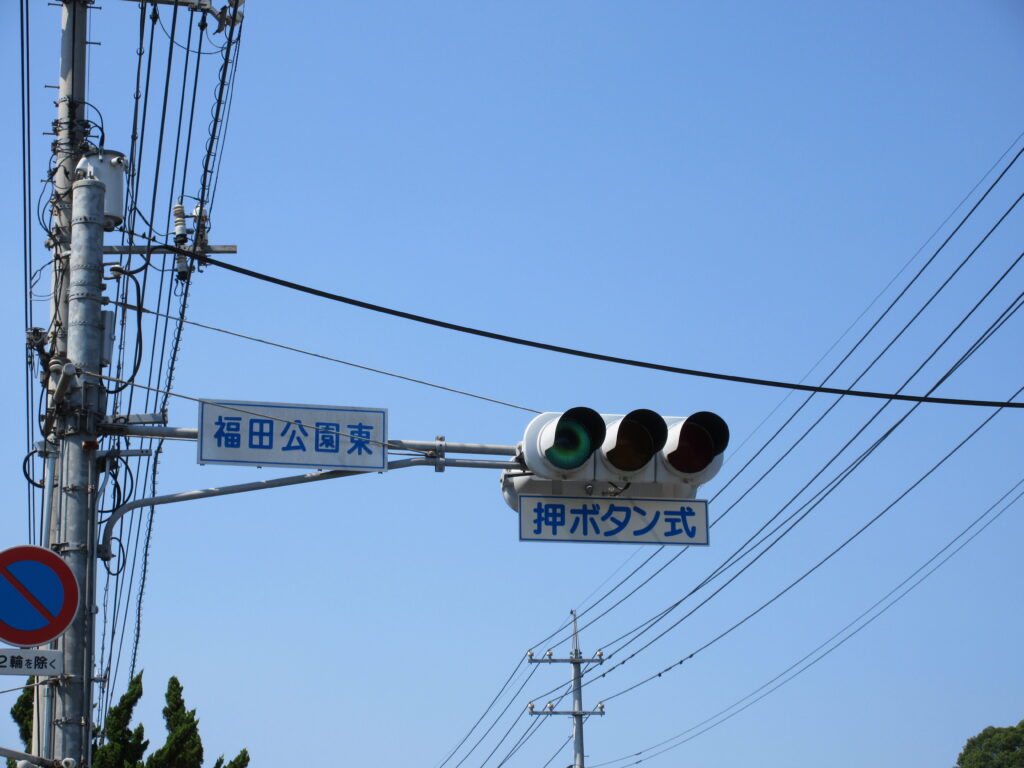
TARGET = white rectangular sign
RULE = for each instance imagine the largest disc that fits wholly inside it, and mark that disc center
(31, 661)
(285, 435)
(615, 520)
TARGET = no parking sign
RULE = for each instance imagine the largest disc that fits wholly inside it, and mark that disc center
(38, 596)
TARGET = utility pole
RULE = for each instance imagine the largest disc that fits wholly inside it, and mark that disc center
(577, 661)
(76, 336)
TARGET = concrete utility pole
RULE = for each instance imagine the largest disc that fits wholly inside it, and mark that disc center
(87, 404)
(577, 661)
(76, 337)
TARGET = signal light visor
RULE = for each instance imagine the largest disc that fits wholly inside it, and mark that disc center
(695, 442)
(634, 440)
(571, 440)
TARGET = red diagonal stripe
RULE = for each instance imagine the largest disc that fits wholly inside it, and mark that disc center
(23, 591)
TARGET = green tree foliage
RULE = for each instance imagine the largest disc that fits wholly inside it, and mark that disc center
(994, 748)
(22, 714)
(124, 747)
(184, 748)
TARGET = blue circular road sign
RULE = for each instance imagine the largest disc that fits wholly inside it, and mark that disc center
(38, 596)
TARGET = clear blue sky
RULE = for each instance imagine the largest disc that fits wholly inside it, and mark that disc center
(722, 186)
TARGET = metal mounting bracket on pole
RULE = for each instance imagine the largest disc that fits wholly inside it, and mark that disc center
(67, 376)
(439, 454)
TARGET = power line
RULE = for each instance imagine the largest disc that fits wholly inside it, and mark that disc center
(743, 550)
(835, 635)
(331, 359)
(815, 500)
(809, 571)
(1002, 319)
(592, 355)
(832, 485)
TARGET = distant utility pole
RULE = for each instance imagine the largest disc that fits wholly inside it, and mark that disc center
(577, 661)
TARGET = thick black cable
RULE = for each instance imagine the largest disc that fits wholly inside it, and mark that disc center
(212, 141)
(906, 383)
(739, 552)
(850, 352)
(137, 363)
(192, 111)
(163, 124)
(156, 374)
(127, 236)
(227, 113)
(637, 363)
(26, 206)
(594, 355)
(817, 565)
(820, 495)
(181, 119)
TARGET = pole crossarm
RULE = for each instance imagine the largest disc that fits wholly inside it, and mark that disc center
(195, 5)
(125, 250)
(566, 712)
(105, 551)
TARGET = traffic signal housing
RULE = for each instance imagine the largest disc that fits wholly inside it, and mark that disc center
(581, 452)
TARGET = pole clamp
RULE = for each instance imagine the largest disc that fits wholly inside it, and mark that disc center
(439, 454)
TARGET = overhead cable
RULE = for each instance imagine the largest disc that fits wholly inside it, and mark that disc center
(289, 348)
(850, 352)
(809, 571)
(835, 635)
(592, 355)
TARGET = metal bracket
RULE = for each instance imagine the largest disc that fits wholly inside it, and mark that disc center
(438, 454)
(140, 418)
(64, 546)
(124, 453)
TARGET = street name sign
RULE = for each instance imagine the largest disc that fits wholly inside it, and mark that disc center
(35, 661)
(287, 435)
(613, 520)
(38, 596)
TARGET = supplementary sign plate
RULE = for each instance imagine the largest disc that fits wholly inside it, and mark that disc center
(34, 661)
(284, 435)
(38, 596)
(615, 520)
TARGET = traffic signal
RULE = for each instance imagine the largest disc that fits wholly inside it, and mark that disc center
(581, 452)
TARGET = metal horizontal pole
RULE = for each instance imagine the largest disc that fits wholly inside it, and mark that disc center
(14, 754)
(140, 249)
(420, 446)
(429, 461)
(432, 445)
(146, 430)
(197, 5)
(106, 551)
